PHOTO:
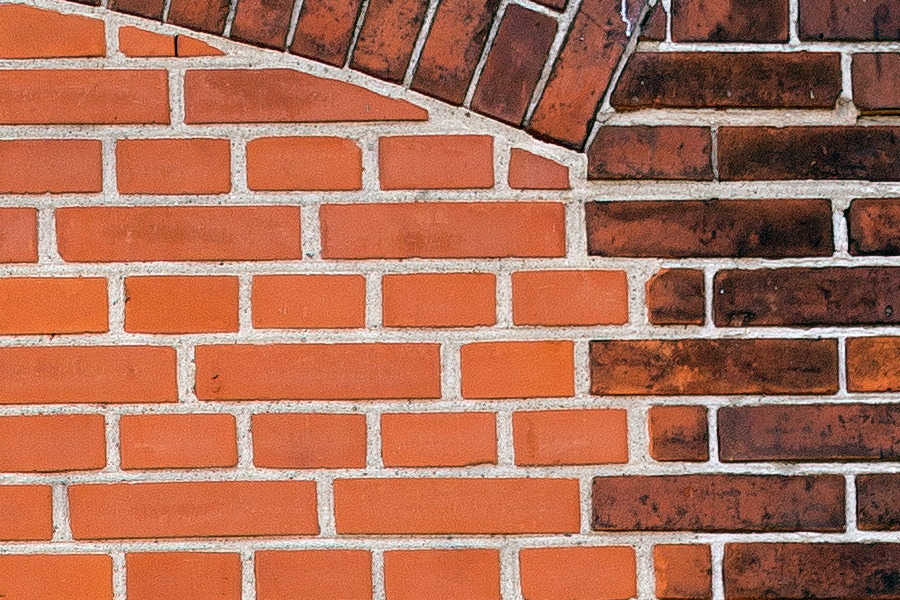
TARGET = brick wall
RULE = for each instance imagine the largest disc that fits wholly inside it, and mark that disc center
(344, 322)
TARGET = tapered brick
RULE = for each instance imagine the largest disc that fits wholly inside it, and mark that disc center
(874, 226)
(529, 171)
(877, 502)
(314, 575)
(202, 15)
(875, 77)
(325, 29)
(151, 9)
(53, 305)
(426, 162)
(676, 297)
(386, 39)
(582, 573)
(52, 443)
(655, 25)
(570, 437)
(309, 301)
(679, 433)
(683, 572)
(262, 22)
(517, 369)
(57, 576)
(438, 439)
(570, 297)
(177, 441)
(473, 574)
(651, 152)
(25, 515)
(136, 42)
(173, 166)
(303, 164)
(873, 364)
(729, 21)
(18, 235)
(30, 32)
(309, 441)
(183, 576)
(849, 20)
(439, 300)
(50, 166)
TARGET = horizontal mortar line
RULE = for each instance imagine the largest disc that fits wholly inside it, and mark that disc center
(754, 47)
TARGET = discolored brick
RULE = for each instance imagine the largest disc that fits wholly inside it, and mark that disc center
(729, 21)
(676, 297)
(856, 20)
(679, 433)
(874, 226)
(325, 29)
(151, 9)
(387, 37)
(877, 502)
(655, 25)
(651, 152)
(202, 15)
(262, 22)
(873, 364)
(875, 78)
(683, 571)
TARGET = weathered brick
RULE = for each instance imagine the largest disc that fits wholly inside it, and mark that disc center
(815, 432)
(514, 64)
(651, 152)
(570, 297)
(50, 166)
(25, 515)
(570, 437)
(151, 9)
(773, 153)
(136, 42)
(518, 369)
(473, 574)
(729, 21)
(873, 364)
(387, 37)
(729, 80)
(174, 166)
(309, 441)
(584, 572)
(655, 25)
(183, 575)
(30, 32)
(529, 171)
(202, 15)
(314, 575)
(57, 576)
(263, 22)
(696, 229)
(309, 301)
(877, 502)
(439, 300)
(554, 4)
(414, 162)
(682, 571)
(677, 297)
(181, 304)
(875, 77)
(849, 20)
(52, 443)
(874, 226)
(325, 29)
(740, 503)
(438, 439)
(679, 433)
(178, 441)
(304, 164)
(703, 367)
(18, 235)
(53, 305)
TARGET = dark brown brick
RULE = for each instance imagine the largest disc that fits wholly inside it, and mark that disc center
(807, 297)
(202, 15)
(554, 4)
(262, 22)
(878, 502)
(514, 64)
(88, 2)
(772, 153)
(651, 152)
(695, 229)
(729, 80)
(387, 37)
(812, 571)
(654, 27)
(582, 72)
(849, 20)
(814, 432)
(454, 46)
(876, 82)
(718, 503)
(325, 29)
(873, 364)
(713, 367)
(874, 226)
(729, 21)
(679, 433)
(152, 9)
(676, 297)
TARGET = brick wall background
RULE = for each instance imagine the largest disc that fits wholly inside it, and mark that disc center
(333, 323)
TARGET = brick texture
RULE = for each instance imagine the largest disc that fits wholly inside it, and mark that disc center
(177, 441)
(175, 575)
(872, 227)
(313, 574)
(683, 572)
(442, 574)
(52, 443)
(647, 152)
(50, 166)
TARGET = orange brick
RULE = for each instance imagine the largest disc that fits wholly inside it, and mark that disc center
(438, 439)
(580, 573)
(571, 437)
(186, 46)
(304, 164)
(53, 305)
(50, 166)
(88, 374)
(81, 96)
(52, 443)
(873, 364)
(309, 441)
(570, 297)
(318, 371)
(18, 235)
(456, 506)
(26, 513)
(683, 572)
(174, 166)
(193, 509)
(518, 369)
(529, 171)
(183, 576)
(435, 162)
(181, 304)
(309, 301)
(443, 230)
(57, 576)
(442, 574)
(137, 42)
(439, 300)
(314, 575)
(28, 32)
(172, 233)
(178, 441)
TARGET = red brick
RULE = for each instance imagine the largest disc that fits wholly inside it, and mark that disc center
(439, 300)
(201, 15)
(679, 433)
(877, 502)
(285, 96)
(193, 509)
(442, 574)
(318, 371)
(529, 171)
(53, 305)
(651, 152)
(443, 230)
(173, 166)
(849, 20)
(50, 166)
(438, 439)
(57, 576)
(178, 233)
(152, 9)
(781, 153)
(518, 369)
(137, 42)
(655, 25)
(579, 573)
(570, 437)
(434, 162)
(570, 297)
(557, 5)
(456, 506)
(811, 571)
(453, 48)
(677, 297)
(304, 164)
(81, 96)
(325, 29)
(314, 575)
(713, 367)
(183, 576)
(178, 441)
(309, 441)
(29, 32)
(873, 364)
(87, 374)
(309, 301)
(697, 229)
(683, 572)
(181, 304)
(581, 74)
(729, 21)
(263, 22)
(18, 235)
(875, 77)
(514, 64)
(25, 515)
(387, 37)
(874, 226)
(718, 503)
(52, 443)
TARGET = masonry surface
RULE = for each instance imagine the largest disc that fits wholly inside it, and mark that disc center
(457, 300)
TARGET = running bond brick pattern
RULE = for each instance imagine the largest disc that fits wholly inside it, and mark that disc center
(449, 300)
